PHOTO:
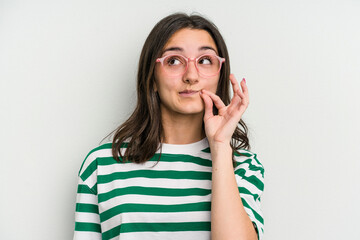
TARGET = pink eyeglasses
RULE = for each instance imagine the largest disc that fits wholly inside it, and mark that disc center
(207, 65)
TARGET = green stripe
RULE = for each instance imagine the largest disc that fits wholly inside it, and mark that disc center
(257, 216)
(206, 150)
(94, 189)
(82, 188)
(154, 174)
(104, 146)
(101, 147)
(157, 227)
(243, 153)
(131, 207)
(257, 161)
(246, 191)
(252, 179)
(251, 165)
(105, 161)
(86, 207)
(88, 227)
(154, 191)
(89, 170)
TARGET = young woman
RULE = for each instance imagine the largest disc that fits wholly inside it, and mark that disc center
(179, 167)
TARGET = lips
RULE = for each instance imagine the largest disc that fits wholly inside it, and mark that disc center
(187, 93)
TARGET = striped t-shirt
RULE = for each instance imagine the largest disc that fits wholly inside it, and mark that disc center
(165, 199)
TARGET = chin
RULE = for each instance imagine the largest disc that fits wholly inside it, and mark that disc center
(193, 110)
(193, 107)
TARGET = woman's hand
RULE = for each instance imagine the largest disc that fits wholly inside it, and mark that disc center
(220, 128)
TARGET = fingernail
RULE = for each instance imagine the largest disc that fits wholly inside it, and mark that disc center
(244, 80)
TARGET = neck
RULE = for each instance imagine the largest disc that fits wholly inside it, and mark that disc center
(182, 129)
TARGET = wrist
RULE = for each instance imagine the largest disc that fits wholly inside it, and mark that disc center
(220, 146)
(220, 152)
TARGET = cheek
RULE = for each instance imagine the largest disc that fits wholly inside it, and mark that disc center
(212, 85)
(166, 84)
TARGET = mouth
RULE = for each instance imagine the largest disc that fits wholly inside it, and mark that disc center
(188, 93)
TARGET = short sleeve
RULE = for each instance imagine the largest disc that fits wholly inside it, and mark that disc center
(87, 218)
(249, 173)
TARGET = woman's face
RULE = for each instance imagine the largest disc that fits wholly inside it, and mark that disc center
(180, 95)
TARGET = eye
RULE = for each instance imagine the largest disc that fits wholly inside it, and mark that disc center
(175, 61)
(206, 60)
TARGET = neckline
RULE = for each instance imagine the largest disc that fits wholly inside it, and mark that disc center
(183, 148)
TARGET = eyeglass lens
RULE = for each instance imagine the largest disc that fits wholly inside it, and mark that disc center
(207, 65)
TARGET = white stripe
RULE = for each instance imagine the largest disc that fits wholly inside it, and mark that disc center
(248, 185)
(250, 200)
(89, 183)
(185, 148)
(199, 154)
(195, 235)
(87, 217)
(87, 235)
(257, 173)
(154, 217)
(248, 166)
(91, 180)
(154, 182)
(107, 152)
(92, 157)
(242, 158)
(145, 199)
(86, 198)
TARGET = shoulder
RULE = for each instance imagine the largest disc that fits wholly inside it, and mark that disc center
(101, 152)
(91, 158)
(89, 166)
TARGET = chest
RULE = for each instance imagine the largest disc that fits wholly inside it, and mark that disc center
(165, 191)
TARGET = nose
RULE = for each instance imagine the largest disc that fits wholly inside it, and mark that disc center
(191, 75)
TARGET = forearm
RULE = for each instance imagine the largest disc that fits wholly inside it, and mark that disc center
(228, 217)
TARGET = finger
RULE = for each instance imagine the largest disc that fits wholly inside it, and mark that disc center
(244, 88)
(244, 94)
(235, 103)
(237, 108)
(215, 98)
(234, 83)
(208, 103)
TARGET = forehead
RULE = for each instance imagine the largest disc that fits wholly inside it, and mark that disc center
(190, 40)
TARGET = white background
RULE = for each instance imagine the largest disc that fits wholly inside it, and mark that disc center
(67, 71)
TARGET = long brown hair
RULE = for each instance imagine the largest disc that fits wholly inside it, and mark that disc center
(142, 131)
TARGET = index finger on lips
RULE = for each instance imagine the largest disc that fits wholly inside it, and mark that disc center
(215, 98)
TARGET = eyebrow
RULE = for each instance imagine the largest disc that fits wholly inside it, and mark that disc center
(179, 49)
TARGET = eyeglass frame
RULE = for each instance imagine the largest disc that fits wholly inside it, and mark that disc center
(221, 60)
